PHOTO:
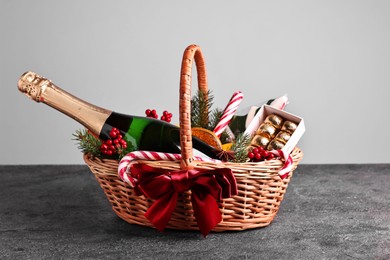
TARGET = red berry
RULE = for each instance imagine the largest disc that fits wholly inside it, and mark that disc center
(109, 152)
(113, 134)
(270, 156)
(255, 150)
(258, 157)
(109, 142)
(166, 116)
(251, 155)
(119, 136)
(147, 111)
(116, 141)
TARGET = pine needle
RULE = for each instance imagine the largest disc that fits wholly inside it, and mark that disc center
(87, 142)
(200, 108)
(240, 148)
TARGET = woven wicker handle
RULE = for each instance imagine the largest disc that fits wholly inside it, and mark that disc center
(191, 53)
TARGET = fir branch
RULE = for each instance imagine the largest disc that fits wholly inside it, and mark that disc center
(200, 109)
(240, 148)
(87, 142)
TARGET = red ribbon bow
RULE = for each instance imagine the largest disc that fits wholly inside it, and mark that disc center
(206, 187)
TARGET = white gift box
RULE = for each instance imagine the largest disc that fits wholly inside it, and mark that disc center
(266, 110)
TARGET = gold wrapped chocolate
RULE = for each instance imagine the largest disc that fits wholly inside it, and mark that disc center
(274, 120)
(283, 136)
(260, 140)
(289, 127)
(267, 130)
(275, 145)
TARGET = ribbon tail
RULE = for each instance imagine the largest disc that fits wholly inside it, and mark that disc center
(287, 167)
(288, 163)
(206, 212)
(159, 213)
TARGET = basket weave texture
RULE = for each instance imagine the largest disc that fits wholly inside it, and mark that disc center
(260, 188)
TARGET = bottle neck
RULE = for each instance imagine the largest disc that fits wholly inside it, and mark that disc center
(43, 90)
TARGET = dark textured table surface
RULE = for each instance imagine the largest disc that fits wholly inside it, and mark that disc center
(329, 212)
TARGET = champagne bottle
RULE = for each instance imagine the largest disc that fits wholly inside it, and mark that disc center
(142, 133)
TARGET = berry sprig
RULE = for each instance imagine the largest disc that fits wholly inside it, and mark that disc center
(115, 145)
(166, 116)
(240, 148)
(152, 113)
(259, 154)
(114, 148)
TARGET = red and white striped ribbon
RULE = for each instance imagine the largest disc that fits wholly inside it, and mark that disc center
(288, 163)
(228, 113)
(126, 162)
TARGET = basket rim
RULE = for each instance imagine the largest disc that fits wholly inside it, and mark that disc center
(251, 170)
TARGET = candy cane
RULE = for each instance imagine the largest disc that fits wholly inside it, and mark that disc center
(280, 102)
(129, 159)
(228, 113)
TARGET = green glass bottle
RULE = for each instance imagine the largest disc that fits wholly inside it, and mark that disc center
(149, 134)
(239, 123)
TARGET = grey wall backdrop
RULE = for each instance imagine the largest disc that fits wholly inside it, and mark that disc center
(332, 58)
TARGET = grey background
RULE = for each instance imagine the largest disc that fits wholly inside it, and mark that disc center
(332, 58)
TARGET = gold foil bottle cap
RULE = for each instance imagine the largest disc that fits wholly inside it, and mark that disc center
(32, 85)
(41, 89)
(289, 126)
(274, 120)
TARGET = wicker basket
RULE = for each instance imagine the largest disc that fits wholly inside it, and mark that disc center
(260, 188)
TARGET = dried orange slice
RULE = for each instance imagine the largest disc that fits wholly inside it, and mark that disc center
(207, 136)
(227, 146)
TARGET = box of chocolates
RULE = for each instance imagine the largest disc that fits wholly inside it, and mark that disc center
(275, 129)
